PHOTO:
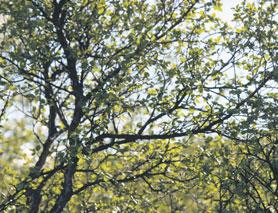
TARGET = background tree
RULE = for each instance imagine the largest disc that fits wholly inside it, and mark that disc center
(124, 100)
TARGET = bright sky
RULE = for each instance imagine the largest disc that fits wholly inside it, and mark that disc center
(227, 13)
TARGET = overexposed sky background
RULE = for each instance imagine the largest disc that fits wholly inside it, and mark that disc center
(227, 13)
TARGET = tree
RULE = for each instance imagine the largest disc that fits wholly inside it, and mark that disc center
(124, 99)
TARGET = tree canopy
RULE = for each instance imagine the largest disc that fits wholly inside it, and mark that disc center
(138, 106)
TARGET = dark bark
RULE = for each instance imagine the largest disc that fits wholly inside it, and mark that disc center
(67, 191)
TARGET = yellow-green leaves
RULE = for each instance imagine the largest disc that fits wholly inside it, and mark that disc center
(217, 39)
(218, 8)
(84, 2)
(149, 91)
(183, 59)
(2, 61)
(101, 10)
(173, 65)
(152, 91)
(101, 6)
(200, 89)
(241, 29)
(117, 108)
(181, 112)
(138, 41)
(96, 69)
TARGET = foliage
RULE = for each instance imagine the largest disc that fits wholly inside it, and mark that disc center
(138, 106)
